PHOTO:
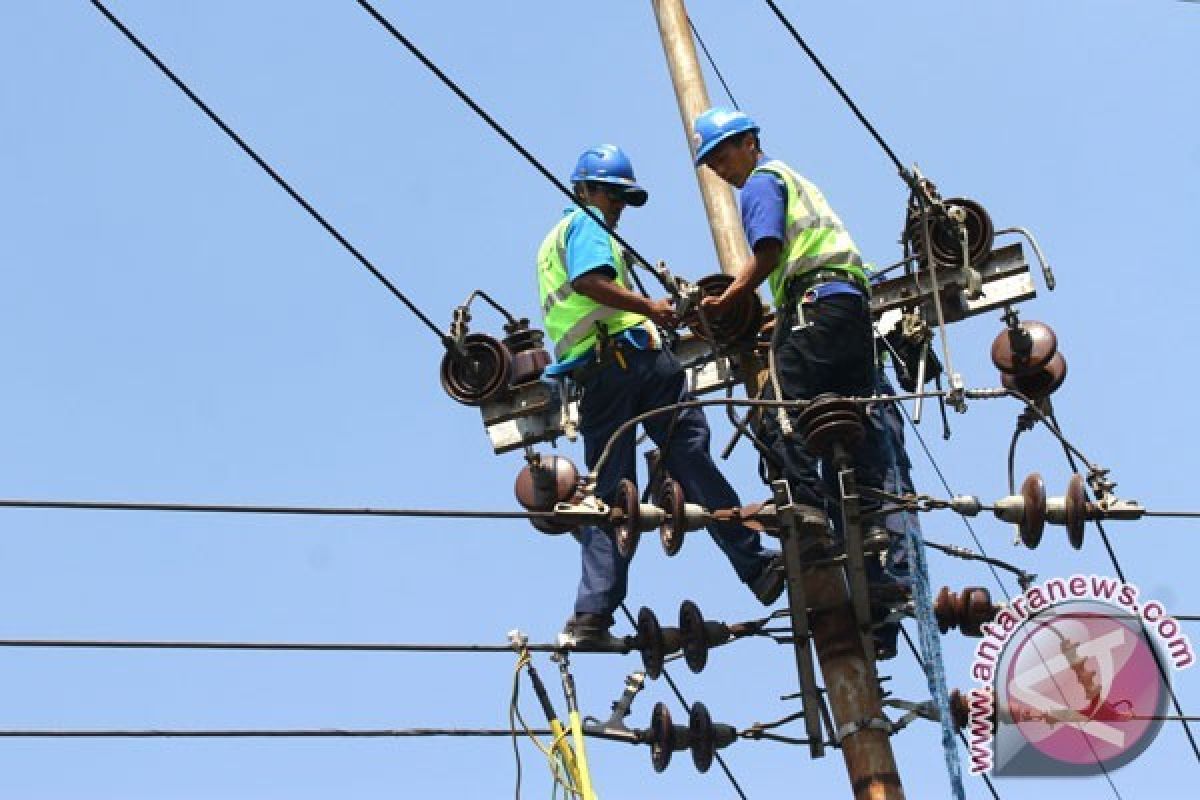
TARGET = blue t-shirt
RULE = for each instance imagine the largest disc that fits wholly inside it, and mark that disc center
(589, 249)
(764, 216)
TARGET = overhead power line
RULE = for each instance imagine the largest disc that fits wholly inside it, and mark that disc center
(283, 184)
(688, 707)
(497, 127)
(222, 508)
(712, 63)
(250, 733)
(904, 173)
(351, 647)
(912, 647)
(1070, 453)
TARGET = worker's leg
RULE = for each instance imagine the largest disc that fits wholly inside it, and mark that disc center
(608, 401)
(685, 446)
(897, 480)
(830, 352)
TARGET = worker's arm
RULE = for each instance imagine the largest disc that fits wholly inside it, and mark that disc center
(764, 217)
(749, 277)
(604, 290)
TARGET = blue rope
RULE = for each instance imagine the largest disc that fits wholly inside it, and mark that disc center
(931, 646)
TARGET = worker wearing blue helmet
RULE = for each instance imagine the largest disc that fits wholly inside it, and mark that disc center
(607, 341)
(823, 341)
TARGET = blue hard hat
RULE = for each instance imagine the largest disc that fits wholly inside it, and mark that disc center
(607, 163)
(715, 126)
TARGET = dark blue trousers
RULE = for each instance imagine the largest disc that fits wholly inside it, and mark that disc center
(611, 396)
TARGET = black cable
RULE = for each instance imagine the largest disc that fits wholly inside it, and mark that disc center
(248, 733)
(496, 126)
(334, 232)
(1023, 578)
(713, 64)
(688, 707)
(946, 485)
(1052, 423)
(336, 647)
(961, 736)
(904, 173)
(222, 508)
(996, 575)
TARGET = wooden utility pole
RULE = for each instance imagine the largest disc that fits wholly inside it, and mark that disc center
(851, 682)
(692, 95)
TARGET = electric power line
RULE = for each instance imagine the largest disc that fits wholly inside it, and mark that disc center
(961, 737)
(1052, 424)
(712, 63)
(255, 733)
(225, 508)
(450, 84)
(904, 173)
(996, 575)
(688, 707)
(283, 184)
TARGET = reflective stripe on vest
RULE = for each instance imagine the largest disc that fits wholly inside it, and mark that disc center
(815, 236)
(570, 317)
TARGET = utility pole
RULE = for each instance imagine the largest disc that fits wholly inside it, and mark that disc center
(690, 91)
(817, 594)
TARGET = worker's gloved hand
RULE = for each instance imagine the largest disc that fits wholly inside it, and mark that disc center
(662, 312)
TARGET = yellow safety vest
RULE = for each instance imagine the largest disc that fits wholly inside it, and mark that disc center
(571, 318)
(814, 237)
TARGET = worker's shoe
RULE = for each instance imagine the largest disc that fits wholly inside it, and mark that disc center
(876, 539)
(885, 644)
(768, 586)
(588, 631)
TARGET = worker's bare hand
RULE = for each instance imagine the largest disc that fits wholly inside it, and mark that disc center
(662, 311)
(720, 305)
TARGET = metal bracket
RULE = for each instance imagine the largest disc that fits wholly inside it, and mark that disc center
(791, 524)
(615, 728)
(875, 723)
(856, 570)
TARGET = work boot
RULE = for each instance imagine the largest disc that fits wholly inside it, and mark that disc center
(876, 539)
(770, 582)
(588, 631)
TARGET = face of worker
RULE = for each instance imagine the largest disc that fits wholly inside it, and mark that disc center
(734, 159)
(610, 201)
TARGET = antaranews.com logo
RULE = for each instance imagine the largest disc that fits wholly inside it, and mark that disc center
(1073, 679)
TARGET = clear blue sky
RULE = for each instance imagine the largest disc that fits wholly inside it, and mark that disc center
(173, 327)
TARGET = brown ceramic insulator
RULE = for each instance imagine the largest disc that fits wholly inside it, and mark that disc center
(674, 526)
(479, 375)
(1076, 511)
(665, 737)
(943, 610)
(740, 324)
(1024, 351)
(947, 246)
(976, 610)
(829, 420)
(960, 711)
(558, 482)
(1033, 520)
(626, 526)
(528, 352)
(1040, 384)
(650, 643)
(695, 636)
(703, 737)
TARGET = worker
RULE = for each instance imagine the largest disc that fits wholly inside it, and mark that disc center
(823, 341)
(607, 341)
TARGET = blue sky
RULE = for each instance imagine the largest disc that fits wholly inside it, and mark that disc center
(173, 327)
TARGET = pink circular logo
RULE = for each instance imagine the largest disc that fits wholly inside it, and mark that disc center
(1082, 687)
